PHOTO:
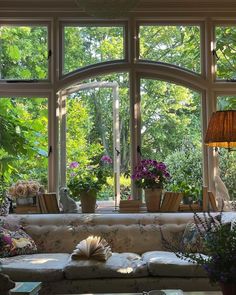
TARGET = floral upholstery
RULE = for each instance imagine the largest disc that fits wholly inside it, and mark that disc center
(191, 240)
(15, 242)
(136, 233)
(138, 262)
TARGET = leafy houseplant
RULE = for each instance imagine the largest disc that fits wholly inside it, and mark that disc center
(86, 180)
(219, 245)
(90, 177)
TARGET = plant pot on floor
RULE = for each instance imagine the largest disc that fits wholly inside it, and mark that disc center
(88, 201)
(153, 199)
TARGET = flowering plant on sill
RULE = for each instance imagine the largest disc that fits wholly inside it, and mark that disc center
(25, 189)
(89, 177)
(150, 174)
(219, 247)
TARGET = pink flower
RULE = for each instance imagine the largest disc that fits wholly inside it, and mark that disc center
(106, 159)
(7, 239)
(73, 165)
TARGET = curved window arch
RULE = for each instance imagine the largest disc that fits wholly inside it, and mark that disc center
(89, 44)
(186, 102)
(172, 44)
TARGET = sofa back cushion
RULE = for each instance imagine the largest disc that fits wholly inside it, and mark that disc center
(137, 233)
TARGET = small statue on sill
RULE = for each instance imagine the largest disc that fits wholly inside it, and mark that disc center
(69, 205)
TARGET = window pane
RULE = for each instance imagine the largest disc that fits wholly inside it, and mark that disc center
(85, 46)
(24, 139)
(226, 103)
(177, 45)
(89, 131)
(171, 133)
(226, 52)
(227, 160)
(24, 52)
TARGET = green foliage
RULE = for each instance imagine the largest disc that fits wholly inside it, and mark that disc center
(185, 166)
(177, 45)
(225, 49)
(125, 187)
(23, 148)
(90, 177)
(90, 45)
(169, 111)
(23, 52)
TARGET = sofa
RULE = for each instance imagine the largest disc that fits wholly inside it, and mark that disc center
(139, 260)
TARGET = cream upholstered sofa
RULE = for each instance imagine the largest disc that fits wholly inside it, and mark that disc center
(139, 261)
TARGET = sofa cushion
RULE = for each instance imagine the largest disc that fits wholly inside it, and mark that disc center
(167, 264)
(36, 267)
(118, 265)
(15, 242)
(192, 240)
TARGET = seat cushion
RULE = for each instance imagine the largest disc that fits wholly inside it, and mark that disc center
(118, 265)
(167, 264)
(36, 267)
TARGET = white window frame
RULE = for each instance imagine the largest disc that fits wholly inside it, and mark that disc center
(206, 82)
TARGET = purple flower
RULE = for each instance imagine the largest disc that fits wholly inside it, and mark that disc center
(150, 174)
(74, 165)
(167, 174)
(7, 240)
(106, 159)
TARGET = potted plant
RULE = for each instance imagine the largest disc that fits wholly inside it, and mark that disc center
(85, 181)
(218, 242)
(25, 193)
(151, 175)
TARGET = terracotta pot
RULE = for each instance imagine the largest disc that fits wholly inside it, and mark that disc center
(228, 288)
(153, 199)
(88, 201)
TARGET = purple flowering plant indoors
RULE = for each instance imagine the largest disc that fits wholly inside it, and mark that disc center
(217, 255)
(150, 174)
(88, 177)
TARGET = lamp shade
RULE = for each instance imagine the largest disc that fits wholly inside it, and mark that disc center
(221, 131)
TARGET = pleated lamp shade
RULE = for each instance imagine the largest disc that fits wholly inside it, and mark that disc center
(221, 131)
